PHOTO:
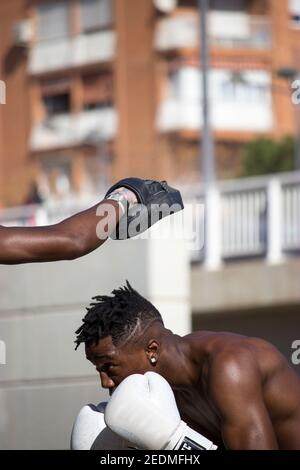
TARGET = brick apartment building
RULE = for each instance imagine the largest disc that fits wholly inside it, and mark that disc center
(100, 89)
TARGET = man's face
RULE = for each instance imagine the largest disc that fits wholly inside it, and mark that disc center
(115, 363)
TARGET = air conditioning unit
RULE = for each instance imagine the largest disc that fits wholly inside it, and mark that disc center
(23, 33)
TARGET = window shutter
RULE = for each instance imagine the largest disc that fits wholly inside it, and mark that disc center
(53, 20)
(95, 14)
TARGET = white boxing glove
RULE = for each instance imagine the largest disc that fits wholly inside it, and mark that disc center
(143, 410)
(91, 433)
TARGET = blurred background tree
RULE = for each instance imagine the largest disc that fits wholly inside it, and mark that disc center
(265, 155)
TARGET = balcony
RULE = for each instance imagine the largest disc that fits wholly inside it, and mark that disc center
(237, 30)
(239, 103)
(68, 131)
(62, 53)
(179, 115)
(177, 32)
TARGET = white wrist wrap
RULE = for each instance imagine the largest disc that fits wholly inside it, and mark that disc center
(120, 199)
(186, 438)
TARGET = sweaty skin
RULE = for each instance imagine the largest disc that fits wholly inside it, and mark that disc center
(70, 239)
(237, 391)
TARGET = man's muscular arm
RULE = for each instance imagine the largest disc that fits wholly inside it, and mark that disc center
(235, 387)
(86, 231)
(70, 239)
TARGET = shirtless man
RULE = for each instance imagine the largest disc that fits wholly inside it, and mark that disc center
(238, 392)
(86, 231)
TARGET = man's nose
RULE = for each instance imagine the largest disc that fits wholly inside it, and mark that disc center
(106, 381)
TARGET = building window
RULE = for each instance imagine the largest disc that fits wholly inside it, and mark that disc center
(96, 172)
(56, 97)
(97, 90)
(56, 177)
(294, 12)
(229, 5)
(239, 88)
(52, 20)
(57, 104)
(95, 15)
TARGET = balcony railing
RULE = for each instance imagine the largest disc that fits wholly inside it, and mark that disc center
(239, 31)
(255, 217)
(186, 114)
(244, 222)
(67, 52)
(245, 219)
(48, 213)
(69, 130)
(226, 30)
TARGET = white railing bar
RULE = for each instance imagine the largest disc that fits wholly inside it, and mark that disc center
(244, 184)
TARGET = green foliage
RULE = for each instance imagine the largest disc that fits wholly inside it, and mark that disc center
(264, 156)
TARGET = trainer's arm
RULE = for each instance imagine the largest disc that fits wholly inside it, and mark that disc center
(69, 239)
(236, 391)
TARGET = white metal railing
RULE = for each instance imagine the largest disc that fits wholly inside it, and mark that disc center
(184, 113)
(64, 52)
(243, 218)
(49, 213)
(244, 223)
(177, 32)
(19, 216)
(291, 216)
(228, 30)
(73, 129)
(256, 33)
(250, 217)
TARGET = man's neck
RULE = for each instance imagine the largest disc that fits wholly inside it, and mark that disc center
(176, 364)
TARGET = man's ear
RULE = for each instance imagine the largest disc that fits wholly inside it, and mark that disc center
(153, 345)
(152, 351)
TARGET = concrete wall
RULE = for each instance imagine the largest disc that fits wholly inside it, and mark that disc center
(253, 299)
(245, 285)
(45, 382)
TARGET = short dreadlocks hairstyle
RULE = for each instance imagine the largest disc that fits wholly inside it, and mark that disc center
(116, 316)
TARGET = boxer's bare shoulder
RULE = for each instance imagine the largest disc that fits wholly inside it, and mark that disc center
(238, 367)
(223, 347)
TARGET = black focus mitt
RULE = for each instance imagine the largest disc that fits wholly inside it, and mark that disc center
(156, 200)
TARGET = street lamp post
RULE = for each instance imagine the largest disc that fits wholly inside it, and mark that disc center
(290, 74)
(212, 243)
(207, 146)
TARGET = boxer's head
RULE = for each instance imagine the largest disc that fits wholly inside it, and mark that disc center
(122, 335)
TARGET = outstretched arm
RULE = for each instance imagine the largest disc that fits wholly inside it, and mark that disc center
(86, 231)
(236, 391)
(70, 239)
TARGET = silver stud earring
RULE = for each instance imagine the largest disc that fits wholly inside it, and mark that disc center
(153, 360)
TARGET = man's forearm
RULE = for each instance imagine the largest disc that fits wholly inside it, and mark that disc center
(70, 239)
(86, 231)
